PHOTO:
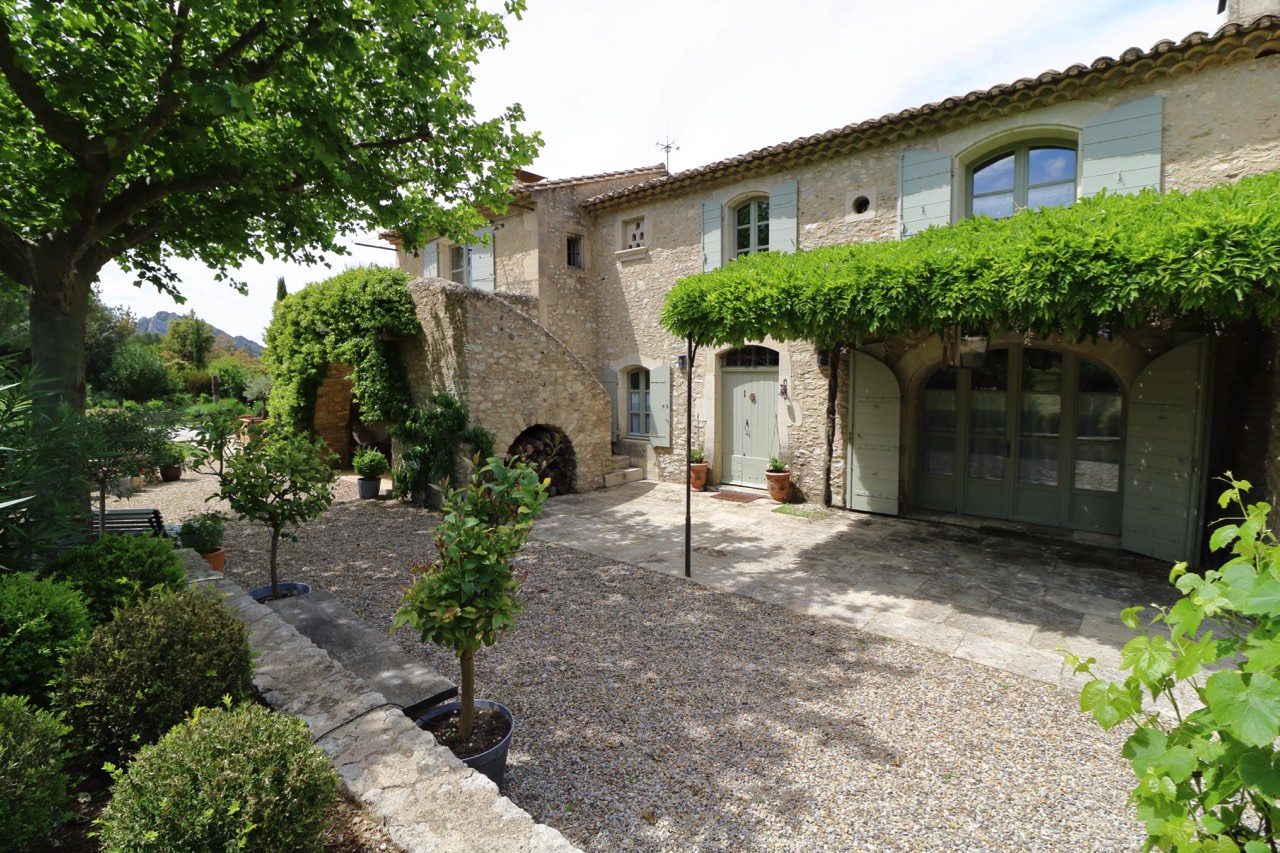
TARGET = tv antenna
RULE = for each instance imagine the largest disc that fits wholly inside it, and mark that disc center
(667, 147)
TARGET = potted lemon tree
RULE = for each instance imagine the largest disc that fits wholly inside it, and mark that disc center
(280, 480)
(467, 598)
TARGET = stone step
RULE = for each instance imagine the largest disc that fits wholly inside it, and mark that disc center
(620, 462)
(626, 475)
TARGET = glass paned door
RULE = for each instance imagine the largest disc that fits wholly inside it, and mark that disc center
(985, 490)
(989, 417)
(1040, 418)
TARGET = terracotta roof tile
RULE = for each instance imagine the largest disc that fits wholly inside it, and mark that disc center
(639, 171)
(1232, 43)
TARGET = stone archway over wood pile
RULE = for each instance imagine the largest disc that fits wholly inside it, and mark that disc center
(551, 451)
(510, 372)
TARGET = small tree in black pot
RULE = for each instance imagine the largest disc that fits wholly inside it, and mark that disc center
(369, 464)
(281, 480)
(467, 597)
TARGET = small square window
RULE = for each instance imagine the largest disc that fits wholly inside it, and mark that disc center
(573, 251)
(633, 233)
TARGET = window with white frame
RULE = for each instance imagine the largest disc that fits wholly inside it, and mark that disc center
(751, 227)
(1028, 175)
(639, 414)
(459, 264)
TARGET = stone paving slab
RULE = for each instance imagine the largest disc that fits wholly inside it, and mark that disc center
(362, 649)
(982, 592)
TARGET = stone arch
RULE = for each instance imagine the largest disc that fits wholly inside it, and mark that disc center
(551, 451)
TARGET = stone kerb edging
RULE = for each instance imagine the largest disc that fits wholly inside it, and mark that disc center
(427, 799)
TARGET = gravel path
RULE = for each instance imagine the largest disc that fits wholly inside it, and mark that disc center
(658, 715)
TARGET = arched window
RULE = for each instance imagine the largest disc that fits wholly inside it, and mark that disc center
(639, 413)
(751, 227)
(1027, 175)
(750, 356)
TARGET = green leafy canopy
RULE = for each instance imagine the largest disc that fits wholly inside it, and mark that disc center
(1104, 263)
(344, 319)
(226, 131)
(148, 131)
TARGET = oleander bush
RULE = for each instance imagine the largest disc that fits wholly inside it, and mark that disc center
(40, 621)
(246, 779)
(33, 786)
(150, 667)
(115, 571)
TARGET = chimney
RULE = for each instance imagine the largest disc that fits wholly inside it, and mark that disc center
(1244, 11)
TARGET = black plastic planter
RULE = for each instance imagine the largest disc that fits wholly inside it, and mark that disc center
(492, 762)
(369, 487)
(288, 589)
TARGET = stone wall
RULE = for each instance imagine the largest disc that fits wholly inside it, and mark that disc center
(509, 371)
(333, 411)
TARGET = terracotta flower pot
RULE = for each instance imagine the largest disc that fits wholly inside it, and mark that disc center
(779, 485)
(698, 475)
(217, 560)
(169, 473)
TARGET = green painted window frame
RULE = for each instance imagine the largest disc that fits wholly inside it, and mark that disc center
(757, 210)
(1021, 152)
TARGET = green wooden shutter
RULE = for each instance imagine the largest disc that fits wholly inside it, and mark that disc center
(430, 259)
(711, 240)
(1164, 455)
(482, 261)
(609, 379)
(660, 405)
(875, 408)
(1120, 152)
(924, 184)
(783, 210)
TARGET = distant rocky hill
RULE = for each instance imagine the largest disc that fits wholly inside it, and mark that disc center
(159, 323)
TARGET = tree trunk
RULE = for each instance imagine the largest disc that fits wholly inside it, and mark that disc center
(467, 714)
(834, 355)
(59, 306)
(275, 576)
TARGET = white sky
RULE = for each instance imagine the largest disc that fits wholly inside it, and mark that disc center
(605, 82)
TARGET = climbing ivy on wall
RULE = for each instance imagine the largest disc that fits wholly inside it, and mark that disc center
(343, 319)
(1105, 263)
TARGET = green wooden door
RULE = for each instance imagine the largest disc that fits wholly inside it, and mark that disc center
(749, 413)
(1164, 477)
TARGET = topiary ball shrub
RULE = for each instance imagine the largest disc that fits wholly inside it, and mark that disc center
(150, 667)
(33, 786)
(40, 621)
(115, 571)
(246, 779)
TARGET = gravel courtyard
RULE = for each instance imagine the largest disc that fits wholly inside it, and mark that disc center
(654, 714)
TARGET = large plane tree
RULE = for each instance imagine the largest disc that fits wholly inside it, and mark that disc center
(147, 130)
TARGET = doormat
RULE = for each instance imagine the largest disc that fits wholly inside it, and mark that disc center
(736, 497)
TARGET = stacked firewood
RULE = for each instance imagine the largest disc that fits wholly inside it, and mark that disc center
(549, 449)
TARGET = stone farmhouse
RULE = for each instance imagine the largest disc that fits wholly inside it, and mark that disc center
(547, 325)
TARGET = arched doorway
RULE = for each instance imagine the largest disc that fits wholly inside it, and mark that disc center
(749, 414)
(1032, 435)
